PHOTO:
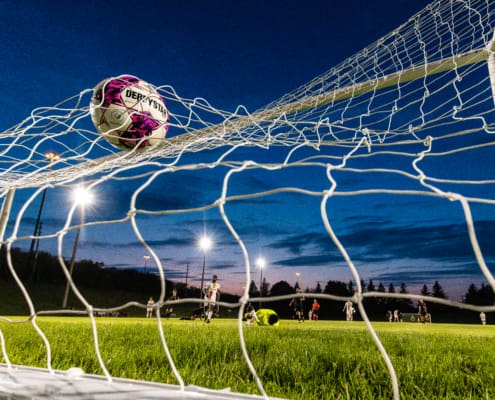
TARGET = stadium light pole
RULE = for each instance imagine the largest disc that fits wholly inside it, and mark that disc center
(298, 274)
(187, 276)
(146, 258)
(51, 156)
(260, 262)
(82, 197)
(205, 244)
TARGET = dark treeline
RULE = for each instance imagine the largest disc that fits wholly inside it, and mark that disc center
(123, 284)
(377, 307)
(89, 274)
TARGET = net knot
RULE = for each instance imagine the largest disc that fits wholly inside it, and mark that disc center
(357, 298)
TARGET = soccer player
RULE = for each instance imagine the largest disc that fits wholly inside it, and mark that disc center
(298, 304)
(170, 309)
(349, 310)
(213, 295)
(251, 317)
(315, 309)
(266, 316)
(149, 307)
(422, 311)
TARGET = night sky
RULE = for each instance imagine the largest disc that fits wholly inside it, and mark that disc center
(232, 53)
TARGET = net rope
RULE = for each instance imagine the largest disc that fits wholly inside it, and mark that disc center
(389, 116)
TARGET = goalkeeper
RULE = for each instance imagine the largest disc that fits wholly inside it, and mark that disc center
(266, 317)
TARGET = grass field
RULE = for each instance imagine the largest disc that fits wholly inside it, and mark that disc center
(310, 360)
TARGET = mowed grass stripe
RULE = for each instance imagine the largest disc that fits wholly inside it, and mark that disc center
(310, 360)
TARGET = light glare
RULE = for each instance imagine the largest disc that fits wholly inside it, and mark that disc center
(82, 196)
(205, 243)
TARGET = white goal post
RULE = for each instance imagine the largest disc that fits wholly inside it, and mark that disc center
(384, 122)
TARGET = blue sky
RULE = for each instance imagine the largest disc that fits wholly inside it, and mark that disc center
(231, 53)
(243, 52)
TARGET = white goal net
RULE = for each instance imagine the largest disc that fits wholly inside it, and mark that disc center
(409, 119)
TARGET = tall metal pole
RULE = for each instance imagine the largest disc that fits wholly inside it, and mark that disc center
(261, 285)
(203, 276)
(73, 257)
(32, 261)
(205, 245)
(201, 294)
(35, 276)
(187, 276)
(146, 258)
(35, 240)
(260, 262)
(5, 212)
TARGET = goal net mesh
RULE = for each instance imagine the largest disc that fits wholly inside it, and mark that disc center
(409, 119)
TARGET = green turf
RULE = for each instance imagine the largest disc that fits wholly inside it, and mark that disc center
(310, 360)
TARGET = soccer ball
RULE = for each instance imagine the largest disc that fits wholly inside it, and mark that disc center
(129, 113)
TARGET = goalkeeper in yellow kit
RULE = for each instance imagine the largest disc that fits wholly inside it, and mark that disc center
(265, 317)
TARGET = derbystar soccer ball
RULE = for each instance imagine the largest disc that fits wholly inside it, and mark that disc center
(129, 112)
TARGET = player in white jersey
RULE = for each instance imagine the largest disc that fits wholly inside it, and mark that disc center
(212, 295)
(349, 310)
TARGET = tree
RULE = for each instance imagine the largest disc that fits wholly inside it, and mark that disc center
(471, 295)
(487, 297)
(482, 296)
(281, 288)
(281, 307)
(265, 286)
(373, 304)
(424, 290)
(253, 289)
(337, 288)
(405, 304)
(438, 291)
(381, 301)
(391, 303)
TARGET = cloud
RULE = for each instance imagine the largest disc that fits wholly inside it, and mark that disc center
(438, 242)
(310, 260)
(428, 271)
(372, 242)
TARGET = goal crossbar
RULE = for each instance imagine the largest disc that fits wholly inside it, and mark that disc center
(178, 144)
